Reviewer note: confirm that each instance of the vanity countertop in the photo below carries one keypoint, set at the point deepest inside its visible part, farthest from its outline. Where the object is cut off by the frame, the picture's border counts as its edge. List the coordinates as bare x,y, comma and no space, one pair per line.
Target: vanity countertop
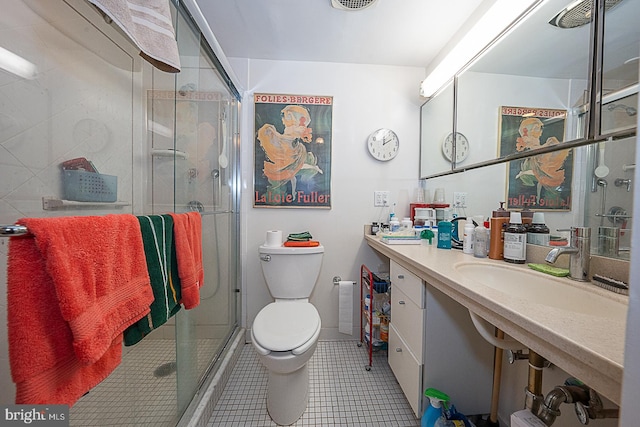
591,348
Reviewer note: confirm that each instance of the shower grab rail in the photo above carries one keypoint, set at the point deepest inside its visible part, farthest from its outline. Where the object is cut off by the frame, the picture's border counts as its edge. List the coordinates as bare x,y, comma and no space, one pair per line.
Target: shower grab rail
13,230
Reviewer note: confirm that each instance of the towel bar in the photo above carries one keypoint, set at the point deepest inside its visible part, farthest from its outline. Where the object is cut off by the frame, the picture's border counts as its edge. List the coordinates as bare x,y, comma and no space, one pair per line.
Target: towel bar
13,230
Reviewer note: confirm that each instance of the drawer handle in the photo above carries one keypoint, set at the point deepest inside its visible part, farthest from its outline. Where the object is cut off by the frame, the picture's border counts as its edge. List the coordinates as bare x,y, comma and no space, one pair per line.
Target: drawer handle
398,349
401,302
400,276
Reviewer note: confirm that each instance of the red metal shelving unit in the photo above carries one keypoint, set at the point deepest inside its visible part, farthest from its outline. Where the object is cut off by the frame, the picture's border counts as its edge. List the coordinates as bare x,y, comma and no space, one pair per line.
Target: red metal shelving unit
368,315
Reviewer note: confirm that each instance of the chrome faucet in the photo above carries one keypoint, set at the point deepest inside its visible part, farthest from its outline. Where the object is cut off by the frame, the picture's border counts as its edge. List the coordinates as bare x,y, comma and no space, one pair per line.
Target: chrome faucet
619,182
579,251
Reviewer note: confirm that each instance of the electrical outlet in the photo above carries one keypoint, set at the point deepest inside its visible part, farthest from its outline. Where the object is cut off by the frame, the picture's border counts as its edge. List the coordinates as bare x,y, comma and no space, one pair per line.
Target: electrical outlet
459,199
380,198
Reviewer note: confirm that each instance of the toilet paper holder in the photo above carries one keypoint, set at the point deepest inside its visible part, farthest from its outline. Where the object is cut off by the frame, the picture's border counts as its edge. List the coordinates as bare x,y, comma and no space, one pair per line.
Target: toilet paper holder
338,279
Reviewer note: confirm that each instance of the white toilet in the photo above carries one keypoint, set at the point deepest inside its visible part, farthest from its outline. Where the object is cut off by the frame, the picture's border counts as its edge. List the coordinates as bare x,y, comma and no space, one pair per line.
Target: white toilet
285,332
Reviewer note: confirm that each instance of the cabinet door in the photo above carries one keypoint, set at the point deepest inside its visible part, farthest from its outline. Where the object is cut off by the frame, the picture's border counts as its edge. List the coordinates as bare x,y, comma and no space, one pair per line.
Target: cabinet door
407,282
408,319
407,369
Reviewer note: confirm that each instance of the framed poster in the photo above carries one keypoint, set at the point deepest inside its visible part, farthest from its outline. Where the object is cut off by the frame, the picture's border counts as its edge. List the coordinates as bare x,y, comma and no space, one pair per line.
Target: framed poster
541,182
292,151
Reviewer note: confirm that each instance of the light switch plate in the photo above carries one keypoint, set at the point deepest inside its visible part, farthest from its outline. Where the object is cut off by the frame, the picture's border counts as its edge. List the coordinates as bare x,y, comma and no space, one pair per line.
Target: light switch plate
459,199
381,198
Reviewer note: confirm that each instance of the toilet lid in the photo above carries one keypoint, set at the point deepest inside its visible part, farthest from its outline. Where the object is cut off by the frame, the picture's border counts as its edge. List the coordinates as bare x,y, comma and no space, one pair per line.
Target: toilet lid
285,325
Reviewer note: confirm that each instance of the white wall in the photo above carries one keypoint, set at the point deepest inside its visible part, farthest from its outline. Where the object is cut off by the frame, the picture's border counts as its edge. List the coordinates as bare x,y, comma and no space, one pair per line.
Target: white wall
365,98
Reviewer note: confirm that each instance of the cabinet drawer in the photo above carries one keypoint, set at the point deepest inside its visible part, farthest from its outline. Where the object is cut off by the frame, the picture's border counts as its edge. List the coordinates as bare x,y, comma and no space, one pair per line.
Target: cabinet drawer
409,283
407,318
407,370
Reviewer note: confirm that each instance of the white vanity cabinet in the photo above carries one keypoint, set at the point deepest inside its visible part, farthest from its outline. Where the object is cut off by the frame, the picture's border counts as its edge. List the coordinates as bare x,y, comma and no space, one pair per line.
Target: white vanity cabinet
406,333
432,343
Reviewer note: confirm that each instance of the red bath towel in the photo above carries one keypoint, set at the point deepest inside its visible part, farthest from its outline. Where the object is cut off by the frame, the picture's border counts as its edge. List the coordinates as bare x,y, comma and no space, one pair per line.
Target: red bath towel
187,234
74,285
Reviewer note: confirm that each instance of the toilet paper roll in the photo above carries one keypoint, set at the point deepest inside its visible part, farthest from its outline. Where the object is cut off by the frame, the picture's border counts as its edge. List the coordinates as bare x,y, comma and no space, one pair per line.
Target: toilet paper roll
345,307
274,238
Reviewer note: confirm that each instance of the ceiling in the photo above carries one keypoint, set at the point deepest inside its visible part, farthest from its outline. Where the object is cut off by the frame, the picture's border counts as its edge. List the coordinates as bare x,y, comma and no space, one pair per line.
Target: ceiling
389,32
414,32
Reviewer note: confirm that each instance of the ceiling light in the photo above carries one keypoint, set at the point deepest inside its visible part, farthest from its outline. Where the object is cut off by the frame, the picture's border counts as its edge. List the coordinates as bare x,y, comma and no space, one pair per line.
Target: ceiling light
17,65
159,129
492,23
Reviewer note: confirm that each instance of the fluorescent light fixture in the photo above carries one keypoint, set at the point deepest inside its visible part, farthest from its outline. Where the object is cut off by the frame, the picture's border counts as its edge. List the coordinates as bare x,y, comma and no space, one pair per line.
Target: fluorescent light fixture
492,23
17,65
159,129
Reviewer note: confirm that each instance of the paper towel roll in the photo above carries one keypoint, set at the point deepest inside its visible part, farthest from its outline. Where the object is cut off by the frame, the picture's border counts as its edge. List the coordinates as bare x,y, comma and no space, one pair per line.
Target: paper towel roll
274,238
345,307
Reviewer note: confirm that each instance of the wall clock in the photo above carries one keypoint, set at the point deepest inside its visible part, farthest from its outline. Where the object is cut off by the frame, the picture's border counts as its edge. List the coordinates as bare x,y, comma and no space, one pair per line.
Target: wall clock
462,147
383,144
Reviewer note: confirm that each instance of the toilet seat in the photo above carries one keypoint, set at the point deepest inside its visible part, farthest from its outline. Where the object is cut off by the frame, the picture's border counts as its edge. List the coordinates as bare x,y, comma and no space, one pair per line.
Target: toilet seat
286,326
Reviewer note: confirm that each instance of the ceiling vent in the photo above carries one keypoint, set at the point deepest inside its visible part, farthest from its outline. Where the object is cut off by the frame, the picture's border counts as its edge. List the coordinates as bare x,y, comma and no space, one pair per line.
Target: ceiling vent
352,4
578,14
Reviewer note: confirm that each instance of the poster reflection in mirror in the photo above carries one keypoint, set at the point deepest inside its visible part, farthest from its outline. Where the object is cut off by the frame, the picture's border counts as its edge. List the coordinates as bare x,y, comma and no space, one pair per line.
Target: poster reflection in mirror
542,182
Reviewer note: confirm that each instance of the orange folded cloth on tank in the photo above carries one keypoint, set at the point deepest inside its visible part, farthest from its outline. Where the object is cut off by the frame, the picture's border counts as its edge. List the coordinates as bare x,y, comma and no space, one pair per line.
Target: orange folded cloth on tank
307,244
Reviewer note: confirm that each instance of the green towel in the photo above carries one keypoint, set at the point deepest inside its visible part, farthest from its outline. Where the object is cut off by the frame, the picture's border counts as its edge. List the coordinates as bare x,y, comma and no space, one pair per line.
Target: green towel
162,265
300,237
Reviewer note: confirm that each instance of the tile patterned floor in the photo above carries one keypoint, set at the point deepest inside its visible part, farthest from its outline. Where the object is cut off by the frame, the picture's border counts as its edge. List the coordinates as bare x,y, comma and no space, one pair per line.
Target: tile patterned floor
135,394
341,391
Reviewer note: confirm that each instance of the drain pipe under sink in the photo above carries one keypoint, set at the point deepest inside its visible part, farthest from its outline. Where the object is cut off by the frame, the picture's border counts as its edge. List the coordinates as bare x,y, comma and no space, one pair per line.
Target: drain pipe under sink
533,390
486,331
497,376
499,342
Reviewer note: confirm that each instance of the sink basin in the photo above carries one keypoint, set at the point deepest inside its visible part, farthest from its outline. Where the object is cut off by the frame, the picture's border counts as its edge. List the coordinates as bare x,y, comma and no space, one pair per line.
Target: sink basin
542,289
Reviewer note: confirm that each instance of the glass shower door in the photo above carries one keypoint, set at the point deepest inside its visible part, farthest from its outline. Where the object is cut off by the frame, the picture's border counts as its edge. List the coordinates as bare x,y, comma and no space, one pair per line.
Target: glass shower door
205,123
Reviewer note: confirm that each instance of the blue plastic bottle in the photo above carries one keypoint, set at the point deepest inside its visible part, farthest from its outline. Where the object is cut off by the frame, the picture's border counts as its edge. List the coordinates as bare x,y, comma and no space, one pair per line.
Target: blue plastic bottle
435,410
444,234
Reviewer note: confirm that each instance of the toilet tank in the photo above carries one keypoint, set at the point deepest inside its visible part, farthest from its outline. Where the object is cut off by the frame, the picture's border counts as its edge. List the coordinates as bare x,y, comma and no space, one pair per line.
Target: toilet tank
291,272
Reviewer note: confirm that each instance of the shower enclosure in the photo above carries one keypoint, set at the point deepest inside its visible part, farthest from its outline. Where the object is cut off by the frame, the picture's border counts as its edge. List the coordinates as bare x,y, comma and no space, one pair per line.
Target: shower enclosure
170,142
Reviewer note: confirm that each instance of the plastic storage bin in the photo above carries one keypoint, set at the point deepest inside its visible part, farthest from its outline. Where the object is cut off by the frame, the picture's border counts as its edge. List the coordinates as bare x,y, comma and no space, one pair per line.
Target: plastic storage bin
84,186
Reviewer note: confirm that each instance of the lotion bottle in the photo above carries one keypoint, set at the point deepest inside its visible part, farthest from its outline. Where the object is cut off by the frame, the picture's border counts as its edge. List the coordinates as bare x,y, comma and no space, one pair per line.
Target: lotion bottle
467,239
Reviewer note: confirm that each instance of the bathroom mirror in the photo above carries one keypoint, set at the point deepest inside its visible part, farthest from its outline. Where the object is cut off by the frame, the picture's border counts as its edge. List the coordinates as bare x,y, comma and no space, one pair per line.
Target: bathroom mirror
536,75
436,124
608,207
543,67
